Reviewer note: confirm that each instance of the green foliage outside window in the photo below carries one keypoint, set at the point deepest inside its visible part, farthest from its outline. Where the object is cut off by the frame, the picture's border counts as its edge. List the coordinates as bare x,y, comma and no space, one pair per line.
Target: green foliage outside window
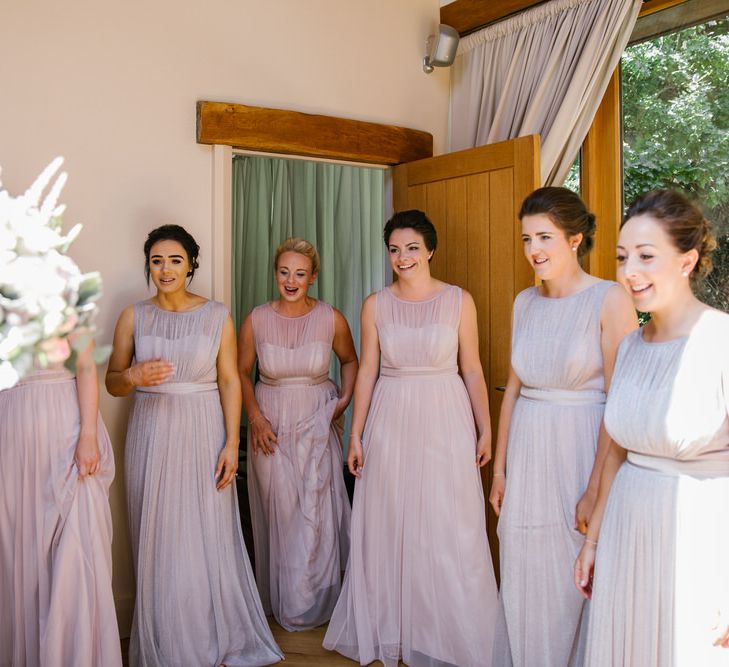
676,129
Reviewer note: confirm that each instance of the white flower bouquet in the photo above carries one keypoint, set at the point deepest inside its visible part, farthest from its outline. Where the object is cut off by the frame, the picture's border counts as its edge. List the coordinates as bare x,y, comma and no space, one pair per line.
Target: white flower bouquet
47,306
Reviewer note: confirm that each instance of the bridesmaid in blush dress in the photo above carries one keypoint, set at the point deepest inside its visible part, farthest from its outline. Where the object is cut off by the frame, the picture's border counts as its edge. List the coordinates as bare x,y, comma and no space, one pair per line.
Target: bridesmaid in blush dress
56,466
197,603
551,444
660,596
420,585
299,503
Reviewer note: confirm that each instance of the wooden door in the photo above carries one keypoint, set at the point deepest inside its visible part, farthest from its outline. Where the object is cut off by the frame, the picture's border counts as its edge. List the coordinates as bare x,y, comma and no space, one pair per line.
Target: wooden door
473,198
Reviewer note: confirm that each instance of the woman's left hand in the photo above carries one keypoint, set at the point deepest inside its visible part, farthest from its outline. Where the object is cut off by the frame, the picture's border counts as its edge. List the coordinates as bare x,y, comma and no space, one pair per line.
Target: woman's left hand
87,456
483,451
227,466
339,409
584,568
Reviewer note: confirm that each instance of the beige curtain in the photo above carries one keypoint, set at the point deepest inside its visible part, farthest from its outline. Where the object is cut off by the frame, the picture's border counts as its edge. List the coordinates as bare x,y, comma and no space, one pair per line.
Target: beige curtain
542,72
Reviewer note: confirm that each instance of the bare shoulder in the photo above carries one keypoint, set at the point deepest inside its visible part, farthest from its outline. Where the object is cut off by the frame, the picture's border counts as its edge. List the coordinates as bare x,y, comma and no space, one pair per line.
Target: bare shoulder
616,299
126,319
467,298
369,302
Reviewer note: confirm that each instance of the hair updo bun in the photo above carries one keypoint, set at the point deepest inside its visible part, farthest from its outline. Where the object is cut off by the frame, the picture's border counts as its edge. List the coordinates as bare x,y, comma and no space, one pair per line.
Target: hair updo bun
566,210
684,222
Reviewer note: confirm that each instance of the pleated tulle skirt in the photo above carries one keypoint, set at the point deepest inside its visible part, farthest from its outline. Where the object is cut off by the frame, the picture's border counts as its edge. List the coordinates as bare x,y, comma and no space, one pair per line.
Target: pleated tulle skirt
55,532
299,506
661,583
549,460
419,584
197,603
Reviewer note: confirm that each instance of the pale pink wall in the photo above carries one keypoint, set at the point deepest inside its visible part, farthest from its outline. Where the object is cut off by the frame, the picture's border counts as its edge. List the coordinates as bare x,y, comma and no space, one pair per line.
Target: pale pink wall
113,86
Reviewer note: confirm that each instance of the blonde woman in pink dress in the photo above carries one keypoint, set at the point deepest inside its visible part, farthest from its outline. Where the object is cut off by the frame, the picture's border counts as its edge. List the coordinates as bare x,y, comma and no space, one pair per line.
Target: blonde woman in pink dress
299,503
420,584
56,466
197,604
658,540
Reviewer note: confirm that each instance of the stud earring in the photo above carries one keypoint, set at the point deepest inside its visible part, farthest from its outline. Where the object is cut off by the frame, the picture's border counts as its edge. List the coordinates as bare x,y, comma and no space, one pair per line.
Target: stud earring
685,274
574,248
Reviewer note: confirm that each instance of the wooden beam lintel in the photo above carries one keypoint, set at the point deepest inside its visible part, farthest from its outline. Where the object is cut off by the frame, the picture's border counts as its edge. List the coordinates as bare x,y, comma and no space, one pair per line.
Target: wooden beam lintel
295,133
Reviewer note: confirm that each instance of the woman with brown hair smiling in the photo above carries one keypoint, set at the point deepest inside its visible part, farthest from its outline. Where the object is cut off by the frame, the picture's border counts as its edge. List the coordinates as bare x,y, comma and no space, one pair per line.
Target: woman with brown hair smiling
658,539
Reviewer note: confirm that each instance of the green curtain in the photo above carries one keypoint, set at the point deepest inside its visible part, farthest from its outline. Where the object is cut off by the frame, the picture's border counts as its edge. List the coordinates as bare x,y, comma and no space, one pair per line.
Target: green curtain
339,209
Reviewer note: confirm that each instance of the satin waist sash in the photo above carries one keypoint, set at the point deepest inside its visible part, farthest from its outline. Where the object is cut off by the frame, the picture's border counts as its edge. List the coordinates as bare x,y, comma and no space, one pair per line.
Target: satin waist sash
696,468
302,381
417,371
179,388
48,376
564,396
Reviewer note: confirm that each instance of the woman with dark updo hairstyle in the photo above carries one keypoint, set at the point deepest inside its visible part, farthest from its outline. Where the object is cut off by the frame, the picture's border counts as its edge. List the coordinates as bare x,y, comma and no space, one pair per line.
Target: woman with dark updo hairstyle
420,586
661,581
551,445
197,602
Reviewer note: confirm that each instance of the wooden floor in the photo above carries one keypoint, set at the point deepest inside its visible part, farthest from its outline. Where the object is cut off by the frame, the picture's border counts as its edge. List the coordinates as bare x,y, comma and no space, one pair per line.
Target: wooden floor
302,649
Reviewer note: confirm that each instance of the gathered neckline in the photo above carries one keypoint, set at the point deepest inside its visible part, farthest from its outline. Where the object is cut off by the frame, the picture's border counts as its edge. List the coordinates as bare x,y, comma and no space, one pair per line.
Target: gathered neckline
296,317
180,312
568,296
432,298
660,342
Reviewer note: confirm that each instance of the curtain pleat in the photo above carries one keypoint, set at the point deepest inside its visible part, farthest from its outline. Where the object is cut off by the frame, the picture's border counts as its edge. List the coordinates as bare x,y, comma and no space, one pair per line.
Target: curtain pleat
337,208
542,72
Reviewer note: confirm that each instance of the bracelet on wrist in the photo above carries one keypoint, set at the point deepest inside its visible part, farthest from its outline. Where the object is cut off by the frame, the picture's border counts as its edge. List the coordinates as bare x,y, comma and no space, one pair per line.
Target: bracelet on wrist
589,541
499,474
257,418
128,373
354,436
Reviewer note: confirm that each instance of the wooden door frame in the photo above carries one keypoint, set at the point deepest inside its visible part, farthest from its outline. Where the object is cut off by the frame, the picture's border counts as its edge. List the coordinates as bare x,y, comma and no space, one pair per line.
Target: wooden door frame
226,126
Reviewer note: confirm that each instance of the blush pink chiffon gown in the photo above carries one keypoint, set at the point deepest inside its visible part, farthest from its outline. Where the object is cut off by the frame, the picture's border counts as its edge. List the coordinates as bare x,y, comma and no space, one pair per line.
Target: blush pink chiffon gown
197,604
420,584
299,504
56,602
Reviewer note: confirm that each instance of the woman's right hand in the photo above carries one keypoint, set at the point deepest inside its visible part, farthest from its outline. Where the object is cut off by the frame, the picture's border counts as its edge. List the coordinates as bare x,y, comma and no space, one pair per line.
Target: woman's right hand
496,497
355,458
150,373
262,435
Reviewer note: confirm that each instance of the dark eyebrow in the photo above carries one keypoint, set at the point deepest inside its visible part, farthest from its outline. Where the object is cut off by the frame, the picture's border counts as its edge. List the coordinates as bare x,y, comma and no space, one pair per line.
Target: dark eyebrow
171,256
644,245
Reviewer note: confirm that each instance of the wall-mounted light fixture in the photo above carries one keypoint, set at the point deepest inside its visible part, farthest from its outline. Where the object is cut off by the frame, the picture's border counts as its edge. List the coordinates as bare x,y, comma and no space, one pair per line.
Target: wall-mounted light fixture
440,49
